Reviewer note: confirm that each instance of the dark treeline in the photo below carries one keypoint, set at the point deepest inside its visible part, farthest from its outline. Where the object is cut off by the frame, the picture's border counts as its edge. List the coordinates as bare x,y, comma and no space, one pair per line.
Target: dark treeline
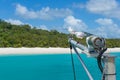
25,36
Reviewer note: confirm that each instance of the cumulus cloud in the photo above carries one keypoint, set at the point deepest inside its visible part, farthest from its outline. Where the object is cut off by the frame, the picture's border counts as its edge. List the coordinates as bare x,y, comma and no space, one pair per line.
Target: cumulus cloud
104,21
43,27
17,22
108,8
45,13
74,23
14,21
100,6
108,28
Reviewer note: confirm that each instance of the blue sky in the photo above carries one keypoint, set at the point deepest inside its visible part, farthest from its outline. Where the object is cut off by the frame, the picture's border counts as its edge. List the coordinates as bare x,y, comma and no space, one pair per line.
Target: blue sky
101,17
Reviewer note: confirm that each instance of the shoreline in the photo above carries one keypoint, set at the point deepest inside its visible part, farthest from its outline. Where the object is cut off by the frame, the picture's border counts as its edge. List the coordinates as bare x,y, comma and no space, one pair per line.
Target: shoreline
36,50
22,51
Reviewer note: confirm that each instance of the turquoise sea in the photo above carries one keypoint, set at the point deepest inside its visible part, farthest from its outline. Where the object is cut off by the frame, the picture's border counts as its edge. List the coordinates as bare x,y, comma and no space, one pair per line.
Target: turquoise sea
48,67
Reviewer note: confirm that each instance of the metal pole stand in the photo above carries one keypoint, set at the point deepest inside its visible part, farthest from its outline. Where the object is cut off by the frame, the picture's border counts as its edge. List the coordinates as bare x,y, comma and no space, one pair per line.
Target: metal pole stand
109,68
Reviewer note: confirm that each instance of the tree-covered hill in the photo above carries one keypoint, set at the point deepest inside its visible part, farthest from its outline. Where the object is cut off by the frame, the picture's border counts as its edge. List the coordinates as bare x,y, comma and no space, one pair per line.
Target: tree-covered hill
25,36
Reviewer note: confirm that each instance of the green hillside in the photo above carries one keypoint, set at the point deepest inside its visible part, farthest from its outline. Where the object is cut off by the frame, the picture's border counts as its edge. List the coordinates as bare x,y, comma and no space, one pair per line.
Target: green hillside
25,36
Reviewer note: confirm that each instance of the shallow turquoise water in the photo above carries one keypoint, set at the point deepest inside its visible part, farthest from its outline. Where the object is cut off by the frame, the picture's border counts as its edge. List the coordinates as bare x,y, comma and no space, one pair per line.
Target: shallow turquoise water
47,67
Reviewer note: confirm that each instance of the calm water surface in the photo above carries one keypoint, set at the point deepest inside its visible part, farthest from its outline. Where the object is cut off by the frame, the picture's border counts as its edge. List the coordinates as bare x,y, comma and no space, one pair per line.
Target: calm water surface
47,67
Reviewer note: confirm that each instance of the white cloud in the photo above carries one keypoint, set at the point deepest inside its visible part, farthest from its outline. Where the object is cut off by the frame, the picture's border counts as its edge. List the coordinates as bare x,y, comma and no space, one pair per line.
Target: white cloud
43,27
21,9
14,21
17,22
109,8
75,24
105,21
45,13
108,28
100,6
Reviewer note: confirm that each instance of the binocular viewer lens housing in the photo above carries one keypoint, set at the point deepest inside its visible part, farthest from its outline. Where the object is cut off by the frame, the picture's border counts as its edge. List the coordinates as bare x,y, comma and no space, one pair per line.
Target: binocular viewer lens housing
95,43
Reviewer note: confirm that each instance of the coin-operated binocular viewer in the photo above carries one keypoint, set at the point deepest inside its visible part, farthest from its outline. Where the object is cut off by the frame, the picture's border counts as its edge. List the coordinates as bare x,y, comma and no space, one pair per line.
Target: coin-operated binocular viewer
96,47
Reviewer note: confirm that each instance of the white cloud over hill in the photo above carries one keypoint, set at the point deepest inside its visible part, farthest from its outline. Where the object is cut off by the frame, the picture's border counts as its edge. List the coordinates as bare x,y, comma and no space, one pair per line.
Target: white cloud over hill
46,13
107,27
74,23
14,21
43,27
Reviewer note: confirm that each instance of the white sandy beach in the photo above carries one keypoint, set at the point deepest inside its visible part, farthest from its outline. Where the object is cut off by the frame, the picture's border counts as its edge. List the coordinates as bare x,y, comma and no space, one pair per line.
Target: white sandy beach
33,50
7,51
